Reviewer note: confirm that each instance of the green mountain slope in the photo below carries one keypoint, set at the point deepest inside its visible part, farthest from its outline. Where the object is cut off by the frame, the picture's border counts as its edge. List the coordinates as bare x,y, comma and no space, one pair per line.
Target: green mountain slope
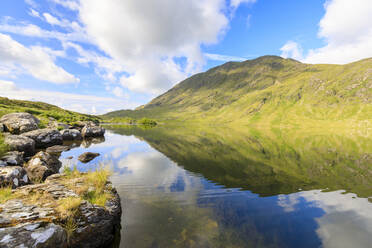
268,90
42,111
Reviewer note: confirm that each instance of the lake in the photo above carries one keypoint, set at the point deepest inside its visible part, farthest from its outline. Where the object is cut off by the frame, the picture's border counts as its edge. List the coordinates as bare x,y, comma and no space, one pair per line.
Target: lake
221,187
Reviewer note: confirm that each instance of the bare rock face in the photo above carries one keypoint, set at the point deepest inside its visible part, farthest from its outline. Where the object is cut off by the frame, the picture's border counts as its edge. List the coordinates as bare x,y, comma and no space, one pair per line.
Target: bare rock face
17,123
92,131
20,143
45,137
71,134
25,223
13,176
41,166
87,157
13,158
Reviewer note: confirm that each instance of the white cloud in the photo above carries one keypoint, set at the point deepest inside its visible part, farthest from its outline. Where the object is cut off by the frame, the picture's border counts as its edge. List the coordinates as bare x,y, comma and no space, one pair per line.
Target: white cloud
220,57
77,102
117,91
34,13
72,5
346,28
145,36
236,3
35,61
291,50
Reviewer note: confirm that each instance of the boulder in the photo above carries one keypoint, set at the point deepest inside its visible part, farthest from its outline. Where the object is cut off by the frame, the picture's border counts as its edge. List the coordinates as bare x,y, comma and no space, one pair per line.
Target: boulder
2,129
87,157
38,235
45,137
71,134
92,131
41,166
57,150
17,123
13,158
20,143
13,176
30,223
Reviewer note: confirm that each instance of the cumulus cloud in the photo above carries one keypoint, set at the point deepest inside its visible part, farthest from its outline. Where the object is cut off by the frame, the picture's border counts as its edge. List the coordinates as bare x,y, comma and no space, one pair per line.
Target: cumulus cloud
35,60
346,28
291,50
77,102
146,36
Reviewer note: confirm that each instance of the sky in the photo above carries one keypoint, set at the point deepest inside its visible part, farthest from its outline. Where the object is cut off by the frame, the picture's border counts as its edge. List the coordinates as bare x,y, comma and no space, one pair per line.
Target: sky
95,56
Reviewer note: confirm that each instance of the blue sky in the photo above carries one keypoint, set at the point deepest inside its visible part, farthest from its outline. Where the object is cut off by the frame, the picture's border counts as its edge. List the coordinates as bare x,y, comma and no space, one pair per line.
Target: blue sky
96,56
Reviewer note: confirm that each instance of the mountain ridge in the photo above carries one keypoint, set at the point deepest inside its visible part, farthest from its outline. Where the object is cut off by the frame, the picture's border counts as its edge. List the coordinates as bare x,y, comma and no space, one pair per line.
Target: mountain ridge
270,89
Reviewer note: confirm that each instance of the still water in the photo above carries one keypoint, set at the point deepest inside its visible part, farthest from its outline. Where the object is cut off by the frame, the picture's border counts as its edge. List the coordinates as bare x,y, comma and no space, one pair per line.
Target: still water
226,188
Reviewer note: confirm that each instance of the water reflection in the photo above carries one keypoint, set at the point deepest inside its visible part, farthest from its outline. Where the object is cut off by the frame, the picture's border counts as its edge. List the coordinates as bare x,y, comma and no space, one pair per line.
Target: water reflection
226,189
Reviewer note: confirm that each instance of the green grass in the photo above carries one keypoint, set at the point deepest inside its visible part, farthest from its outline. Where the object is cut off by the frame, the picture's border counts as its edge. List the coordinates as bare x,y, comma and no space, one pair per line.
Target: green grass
5,194
3,147
43,111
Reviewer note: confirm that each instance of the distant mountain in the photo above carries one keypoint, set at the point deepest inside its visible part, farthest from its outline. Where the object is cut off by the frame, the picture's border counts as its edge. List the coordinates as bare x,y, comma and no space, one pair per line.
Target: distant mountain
268,90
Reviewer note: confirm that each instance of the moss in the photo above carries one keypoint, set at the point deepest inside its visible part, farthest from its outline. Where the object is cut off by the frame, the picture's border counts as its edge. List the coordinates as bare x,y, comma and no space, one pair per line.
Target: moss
6,194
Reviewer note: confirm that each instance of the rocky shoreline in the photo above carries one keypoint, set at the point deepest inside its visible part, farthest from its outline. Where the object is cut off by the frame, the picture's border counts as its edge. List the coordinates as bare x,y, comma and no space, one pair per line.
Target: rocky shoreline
39,207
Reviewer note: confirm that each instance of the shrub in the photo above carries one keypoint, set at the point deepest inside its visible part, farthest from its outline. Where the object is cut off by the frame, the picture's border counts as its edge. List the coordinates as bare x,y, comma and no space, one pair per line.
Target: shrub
147,122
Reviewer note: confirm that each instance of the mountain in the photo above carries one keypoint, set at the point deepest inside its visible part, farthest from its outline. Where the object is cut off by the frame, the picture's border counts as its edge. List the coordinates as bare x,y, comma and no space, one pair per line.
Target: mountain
268,90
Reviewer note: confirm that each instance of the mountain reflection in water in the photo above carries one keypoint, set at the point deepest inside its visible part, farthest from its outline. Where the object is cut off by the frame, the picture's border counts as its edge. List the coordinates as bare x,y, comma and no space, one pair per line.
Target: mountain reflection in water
190,187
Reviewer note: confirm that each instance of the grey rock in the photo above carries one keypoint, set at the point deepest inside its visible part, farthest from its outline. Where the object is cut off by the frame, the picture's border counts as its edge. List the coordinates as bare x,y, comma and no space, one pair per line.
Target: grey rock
25,224
45,137
38,235
57,150
17,123
41,166
87,157
13,158
13,176
71,134
2,129
20,143
92,131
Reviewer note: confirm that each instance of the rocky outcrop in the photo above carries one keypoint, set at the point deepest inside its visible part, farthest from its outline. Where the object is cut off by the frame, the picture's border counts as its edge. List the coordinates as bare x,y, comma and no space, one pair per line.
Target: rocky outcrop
92,131
17,123
25,222
87,157
20,143
13,176
45,137
41,166
13,158
71,134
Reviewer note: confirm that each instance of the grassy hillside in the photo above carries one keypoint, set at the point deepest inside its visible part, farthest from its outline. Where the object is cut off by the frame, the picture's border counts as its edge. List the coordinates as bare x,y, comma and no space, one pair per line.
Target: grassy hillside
269,90
42,111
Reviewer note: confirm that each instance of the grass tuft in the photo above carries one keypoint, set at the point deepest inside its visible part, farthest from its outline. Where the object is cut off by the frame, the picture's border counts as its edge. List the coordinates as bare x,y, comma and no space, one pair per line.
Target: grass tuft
5,194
